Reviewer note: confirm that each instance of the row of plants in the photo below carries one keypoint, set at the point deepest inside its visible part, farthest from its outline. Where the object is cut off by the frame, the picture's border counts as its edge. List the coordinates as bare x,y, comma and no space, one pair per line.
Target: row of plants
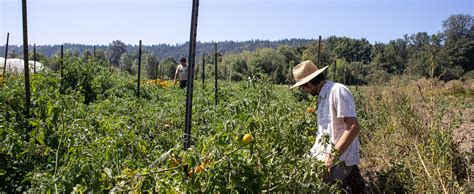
88,132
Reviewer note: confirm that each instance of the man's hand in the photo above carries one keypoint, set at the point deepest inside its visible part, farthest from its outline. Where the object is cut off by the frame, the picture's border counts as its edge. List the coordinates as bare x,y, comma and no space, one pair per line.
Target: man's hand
329,162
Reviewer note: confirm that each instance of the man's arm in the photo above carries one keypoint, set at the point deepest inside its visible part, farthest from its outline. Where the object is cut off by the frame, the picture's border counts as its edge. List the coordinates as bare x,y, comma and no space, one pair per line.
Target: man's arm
349,134
345,141
345,108
176,74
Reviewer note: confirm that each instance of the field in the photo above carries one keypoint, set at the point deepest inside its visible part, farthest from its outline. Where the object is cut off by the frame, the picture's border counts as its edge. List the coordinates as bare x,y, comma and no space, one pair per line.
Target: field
89,132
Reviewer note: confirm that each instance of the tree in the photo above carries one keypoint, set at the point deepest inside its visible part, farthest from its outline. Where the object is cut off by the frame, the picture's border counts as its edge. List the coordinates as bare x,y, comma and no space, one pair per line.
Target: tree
169,67
395,55
362,50
289,53
342,47
311,53
151,63
291,56
128,62
87,54
418,49
459,38
237,66
458,27
352,50
116,49
265,61
39,57
419,40
13,54
100,55
437,58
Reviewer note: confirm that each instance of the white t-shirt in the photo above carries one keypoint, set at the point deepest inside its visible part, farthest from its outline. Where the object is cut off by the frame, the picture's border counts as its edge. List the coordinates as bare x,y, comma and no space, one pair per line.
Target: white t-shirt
335,103
183,72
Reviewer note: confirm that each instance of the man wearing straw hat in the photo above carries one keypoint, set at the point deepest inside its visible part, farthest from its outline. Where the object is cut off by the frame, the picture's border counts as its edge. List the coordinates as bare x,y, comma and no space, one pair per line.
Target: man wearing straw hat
336,120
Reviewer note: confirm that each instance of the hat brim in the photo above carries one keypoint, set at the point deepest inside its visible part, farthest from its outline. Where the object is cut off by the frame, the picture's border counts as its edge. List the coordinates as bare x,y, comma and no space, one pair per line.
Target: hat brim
308,78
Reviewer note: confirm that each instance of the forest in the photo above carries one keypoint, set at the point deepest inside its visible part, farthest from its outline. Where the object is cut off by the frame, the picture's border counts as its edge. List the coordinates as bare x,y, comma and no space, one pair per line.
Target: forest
446,55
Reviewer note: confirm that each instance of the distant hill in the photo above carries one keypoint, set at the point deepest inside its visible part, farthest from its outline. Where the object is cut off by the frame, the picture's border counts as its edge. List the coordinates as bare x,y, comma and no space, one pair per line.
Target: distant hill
164,50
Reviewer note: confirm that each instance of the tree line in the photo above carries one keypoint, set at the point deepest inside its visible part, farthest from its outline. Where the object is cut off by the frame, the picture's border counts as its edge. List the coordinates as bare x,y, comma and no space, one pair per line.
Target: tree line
447,55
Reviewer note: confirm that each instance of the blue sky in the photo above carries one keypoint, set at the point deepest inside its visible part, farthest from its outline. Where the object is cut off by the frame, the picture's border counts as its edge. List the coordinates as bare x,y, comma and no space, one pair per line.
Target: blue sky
168,21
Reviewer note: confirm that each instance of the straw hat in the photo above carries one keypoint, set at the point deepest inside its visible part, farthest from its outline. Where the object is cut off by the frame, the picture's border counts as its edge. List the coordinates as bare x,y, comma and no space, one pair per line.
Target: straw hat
304,72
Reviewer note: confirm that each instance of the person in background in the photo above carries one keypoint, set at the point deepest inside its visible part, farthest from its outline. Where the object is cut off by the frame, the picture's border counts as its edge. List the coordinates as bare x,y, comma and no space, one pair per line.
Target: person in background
338,127
181,73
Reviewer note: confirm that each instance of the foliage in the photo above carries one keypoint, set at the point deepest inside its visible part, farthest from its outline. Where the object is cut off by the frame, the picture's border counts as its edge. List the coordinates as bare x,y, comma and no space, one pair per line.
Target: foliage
408,136
88,132
446,55
116,49
119,143
151,65
116,142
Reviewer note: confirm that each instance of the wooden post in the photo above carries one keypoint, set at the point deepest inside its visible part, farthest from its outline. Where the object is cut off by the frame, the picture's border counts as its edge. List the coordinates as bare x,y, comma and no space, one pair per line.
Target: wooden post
25,59
349,81
61,65
344,75
94,52
357,78
34,58
319,52
189,88
215,73
162,73
6,55
203,75
139,66
156,69
196,68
